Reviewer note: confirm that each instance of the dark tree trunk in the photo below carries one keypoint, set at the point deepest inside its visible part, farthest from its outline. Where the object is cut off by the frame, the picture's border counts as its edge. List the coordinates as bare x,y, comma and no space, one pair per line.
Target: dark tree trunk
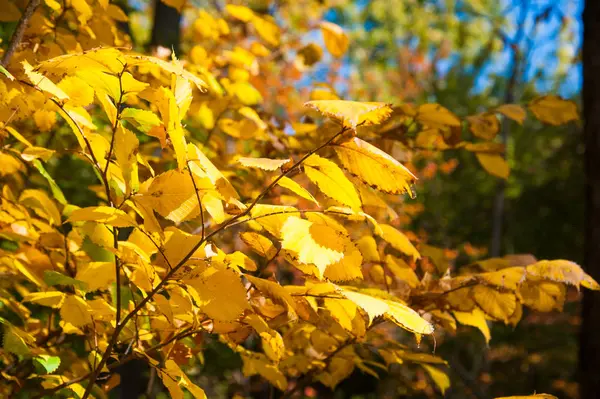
166,31
589,356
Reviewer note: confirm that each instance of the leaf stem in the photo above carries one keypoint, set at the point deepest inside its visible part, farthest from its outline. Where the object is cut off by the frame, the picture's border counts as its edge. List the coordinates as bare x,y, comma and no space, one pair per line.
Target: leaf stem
17,36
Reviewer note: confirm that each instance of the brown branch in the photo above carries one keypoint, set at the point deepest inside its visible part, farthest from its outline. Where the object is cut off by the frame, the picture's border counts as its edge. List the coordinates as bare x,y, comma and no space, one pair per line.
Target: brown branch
17,36
199,200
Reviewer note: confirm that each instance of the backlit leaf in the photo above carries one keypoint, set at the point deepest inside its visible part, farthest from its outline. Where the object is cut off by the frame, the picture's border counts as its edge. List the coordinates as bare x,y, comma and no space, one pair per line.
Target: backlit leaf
475,319
374,167
335,38
102,214
263,163
399,241
331,181
352,113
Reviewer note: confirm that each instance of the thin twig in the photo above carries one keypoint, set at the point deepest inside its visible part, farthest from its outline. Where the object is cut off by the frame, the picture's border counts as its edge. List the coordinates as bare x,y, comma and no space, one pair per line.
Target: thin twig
198,197
17,36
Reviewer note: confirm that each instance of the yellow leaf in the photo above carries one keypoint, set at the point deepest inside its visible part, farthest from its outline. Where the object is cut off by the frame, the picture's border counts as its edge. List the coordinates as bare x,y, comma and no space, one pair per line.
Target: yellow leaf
41,202
554,110
174,67
272,343
242,13
475,318
399,241
407,318
97,275
53,299
257,363
348,268
76,311
267,29
44,119
514,112
272,217
202,166
485,126
372,306
434,115
440,378
509,278
43,83
102,214
562,271
343,311
374,167
401,270
220,294
314,243
263,163
331,181
259,244
291,185
31,153
352,113
170,113
126,149
173,196
494,164
142,119
335,38
116,13
79,92
276,292
544,296
174,379
498,305
368,249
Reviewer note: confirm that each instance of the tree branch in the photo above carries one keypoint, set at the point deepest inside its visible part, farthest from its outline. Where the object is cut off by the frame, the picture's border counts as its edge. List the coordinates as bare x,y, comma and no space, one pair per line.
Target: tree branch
17,36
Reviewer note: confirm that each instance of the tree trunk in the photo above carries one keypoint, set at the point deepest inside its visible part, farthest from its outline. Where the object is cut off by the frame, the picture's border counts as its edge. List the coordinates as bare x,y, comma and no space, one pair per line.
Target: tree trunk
589,350
166,31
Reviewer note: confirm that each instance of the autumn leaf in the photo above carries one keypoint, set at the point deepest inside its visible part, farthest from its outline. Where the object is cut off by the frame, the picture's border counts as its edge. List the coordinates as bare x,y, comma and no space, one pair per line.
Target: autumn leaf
352,114
554,110
335,38
331,181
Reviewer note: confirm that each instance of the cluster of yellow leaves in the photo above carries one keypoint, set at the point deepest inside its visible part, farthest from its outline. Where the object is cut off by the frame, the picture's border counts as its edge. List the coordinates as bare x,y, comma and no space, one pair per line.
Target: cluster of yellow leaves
184,159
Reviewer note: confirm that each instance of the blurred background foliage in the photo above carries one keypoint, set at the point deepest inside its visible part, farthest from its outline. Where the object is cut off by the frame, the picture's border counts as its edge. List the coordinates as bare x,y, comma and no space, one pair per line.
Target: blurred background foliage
468,56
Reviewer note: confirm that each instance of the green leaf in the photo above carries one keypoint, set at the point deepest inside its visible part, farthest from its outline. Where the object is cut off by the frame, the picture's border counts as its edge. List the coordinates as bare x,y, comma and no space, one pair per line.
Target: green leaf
54,278
142,119
47,362
4,72
56,191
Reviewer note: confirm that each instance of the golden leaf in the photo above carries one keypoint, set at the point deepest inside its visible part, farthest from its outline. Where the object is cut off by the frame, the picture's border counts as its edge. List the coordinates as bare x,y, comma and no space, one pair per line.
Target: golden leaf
399,241
494,164
331,181
554,110
335,38
242,13
475,318
291,185
97,275
407,318
513,111
259,244
434,115
263,163
76,311
316,244
374,167
544,296
440,378
485,126
43,83
126,149
53,299
562,271
220,294
102,214
352,113
498,305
